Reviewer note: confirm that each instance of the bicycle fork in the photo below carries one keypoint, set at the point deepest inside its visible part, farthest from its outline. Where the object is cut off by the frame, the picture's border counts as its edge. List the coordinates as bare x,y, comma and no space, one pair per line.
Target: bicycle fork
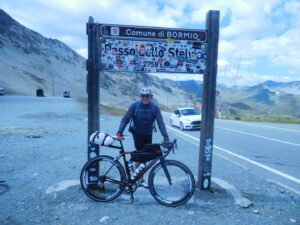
163,164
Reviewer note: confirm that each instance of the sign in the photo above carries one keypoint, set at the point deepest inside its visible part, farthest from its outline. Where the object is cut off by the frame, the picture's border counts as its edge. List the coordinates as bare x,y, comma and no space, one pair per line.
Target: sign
128,55
149,49
137,32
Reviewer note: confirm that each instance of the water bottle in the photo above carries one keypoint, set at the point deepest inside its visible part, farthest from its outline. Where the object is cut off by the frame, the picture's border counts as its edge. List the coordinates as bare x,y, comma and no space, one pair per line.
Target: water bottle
139,169
131,166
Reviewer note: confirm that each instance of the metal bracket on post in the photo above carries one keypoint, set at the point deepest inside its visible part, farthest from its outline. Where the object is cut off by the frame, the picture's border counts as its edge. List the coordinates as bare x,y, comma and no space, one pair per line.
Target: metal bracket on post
208,102
92,66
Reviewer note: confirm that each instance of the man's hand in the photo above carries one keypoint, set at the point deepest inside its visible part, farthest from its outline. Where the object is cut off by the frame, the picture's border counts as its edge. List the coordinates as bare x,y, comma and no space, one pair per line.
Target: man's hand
119,136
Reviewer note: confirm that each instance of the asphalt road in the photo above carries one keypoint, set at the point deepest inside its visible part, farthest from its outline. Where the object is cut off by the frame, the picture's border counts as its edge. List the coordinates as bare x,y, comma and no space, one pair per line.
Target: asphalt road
255,173
270,150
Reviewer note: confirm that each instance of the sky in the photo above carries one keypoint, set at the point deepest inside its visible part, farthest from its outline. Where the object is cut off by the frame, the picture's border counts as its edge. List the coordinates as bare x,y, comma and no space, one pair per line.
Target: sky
259,40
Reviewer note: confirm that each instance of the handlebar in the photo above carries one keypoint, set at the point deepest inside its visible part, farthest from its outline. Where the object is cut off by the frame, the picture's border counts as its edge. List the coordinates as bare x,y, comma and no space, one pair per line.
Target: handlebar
170,146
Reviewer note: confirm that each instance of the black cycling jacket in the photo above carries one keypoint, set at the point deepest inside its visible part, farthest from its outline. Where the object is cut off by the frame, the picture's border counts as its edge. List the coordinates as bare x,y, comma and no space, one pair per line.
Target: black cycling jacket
143,117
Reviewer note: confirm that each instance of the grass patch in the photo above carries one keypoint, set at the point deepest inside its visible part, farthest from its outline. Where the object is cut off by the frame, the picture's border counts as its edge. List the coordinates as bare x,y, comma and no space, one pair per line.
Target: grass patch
112,110
265,118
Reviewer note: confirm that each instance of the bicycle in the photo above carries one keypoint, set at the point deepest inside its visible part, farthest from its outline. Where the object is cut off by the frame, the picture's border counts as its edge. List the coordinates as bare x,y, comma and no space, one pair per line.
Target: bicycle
171,183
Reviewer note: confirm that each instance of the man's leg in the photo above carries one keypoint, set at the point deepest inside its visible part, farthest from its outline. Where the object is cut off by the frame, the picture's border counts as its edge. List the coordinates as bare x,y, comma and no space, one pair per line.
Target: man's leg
147,139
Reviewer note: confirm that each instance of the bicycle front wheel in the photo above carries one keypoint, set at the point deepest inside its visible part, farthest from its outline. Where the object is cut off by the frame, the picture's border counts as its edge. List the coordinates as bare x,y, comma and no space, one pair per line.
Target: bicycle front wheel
174,191
101,179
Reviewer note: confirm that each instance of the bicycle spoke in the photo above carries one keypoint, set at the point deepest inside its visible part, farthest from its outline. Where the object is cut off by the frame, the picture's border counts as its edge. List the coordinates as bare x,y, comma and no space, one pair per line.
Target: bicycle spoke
178,188
176,192
108,184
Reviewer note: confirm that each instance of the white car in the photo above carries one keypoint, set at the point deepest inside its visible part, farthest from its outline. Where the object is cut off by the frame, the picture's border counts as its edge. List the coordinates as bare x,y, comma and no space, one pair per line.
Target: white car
186,118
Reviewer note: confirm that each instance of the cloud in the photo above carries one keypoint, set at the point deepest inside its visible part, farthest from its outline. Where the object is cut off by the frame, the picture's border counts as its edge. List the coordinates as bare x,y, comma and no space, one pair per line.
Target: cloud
281,50
243,78
251,32
82,51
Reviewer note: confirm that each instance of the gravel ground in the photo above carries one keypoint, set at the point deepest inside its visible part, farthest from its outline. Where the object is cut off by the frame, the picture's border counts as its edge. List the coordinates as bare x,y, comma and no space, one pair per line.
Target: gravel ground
43,148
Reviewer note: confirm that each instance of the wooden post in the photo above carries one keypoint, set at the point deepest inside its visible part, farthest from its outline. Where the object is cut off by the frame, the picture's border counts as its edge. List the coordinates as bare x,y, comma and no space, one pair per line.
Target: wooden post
208,102
92,66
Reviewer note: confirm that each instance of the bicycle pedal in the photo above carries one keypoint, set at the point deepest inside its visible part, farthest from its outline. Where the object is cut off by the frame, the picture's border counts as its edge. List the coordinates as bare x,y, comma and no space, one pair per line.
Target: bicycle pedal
131,197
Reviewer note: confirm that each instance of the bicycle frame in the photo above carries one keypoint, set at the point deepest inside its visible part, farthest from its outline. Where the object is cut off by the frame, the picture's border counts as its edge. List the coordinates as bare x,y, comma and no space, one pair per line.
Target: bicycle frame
123,154
113,178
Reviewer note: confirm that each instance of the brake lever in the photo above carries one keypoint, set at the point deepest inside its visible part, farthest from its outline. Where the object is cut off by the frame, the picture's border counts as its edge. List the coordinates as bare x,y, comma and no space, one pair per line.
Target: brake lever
174,145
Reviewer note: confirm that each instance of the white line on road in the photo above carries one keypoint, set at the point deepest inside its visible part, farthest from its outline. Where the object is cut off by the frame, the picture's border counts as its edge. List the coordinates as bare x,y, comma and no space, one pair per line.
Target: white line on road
180,135
283,185
238,164
260,165
278,128
284,175
259,136
271,139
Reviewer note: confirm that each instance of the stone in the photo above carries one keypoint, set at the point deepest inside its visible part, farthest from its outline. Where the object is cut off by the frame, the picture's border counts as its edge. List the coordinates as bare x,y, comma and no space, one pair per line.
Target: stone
191,212
104,219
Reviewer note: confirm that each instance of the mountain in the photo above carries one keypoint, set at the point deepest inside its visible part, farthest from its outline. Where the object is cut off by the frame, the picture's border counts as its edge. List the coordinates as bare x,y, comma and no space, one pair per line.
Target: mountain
120,90
190,86
270,97
29,61
281,87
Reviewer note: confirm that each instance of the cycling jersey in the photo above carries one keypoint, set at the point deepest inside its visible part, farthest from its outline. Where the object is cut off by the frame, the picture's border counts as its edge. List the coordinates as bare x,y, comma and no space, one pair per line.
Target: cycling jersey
143,117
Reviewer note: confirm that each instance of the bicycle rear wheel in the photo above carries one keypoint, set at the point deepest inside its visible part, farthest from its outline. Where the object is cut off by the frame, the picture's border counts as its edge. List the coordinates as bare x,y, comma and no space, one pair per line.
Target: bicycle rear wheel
176,192
106,185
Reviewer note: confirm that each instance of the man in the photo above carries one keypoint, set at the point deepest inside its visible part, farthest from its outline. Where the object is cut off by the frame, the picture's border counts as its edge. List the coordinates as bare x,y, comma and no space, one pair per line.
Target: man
143,114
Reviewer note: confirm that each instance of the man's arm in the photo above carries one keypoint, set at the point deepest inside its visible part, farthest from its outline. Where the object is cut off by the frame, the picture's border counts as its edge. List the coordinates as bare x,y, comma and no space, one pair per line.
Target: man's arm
126,118
161,124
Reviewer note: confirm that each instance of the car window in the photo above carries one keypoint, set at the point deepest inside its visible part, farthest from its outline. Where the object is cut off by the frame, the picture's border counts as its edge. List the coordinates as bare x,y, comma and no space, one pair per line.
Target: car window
189,112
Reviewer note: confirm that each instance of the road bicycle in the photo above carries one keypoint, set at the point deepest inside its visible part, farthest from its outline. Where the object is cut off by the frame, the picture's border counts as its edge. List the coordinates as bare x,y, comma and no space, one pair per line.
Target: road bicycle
171,183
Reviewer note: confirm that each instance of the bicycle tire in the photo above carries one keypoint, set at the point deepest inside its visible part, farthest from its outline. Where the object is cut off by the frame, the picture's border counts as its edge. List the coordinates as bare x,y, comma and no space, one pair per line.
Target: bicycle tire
163,192
103,191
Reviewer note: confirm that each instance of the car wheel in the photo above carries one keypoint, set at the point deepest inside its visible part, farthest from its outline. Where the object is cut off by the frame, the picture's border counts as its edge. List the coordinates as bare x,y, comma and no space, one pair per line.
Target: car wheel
181,126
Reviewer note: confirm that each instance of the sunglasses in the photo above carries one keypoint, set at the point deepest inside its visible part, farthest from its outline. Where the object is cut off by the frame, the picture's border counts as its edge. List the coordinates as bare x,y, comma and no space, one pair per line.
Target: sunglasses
145,96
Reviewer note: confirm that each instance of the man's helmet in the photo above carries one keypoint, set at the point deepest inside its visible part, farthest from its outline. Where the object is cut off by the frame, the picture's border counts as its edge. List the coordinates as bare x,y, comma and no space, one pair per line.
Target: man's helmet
101,138
146,91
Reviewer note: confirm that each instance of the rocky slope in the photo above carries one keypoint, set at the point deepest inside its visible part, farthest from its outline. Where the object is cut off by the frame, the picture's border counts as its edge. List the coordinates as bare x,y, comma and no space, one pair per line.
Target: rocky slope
29,61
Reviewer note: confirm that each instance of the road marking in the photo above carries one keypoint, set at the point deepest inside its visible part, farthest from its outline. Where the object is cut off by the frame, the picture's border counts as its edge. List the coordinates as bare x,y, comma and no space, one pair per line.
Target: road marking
284,175
272,139
260,165
259,136
283,185
184,134
259,125
238,164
